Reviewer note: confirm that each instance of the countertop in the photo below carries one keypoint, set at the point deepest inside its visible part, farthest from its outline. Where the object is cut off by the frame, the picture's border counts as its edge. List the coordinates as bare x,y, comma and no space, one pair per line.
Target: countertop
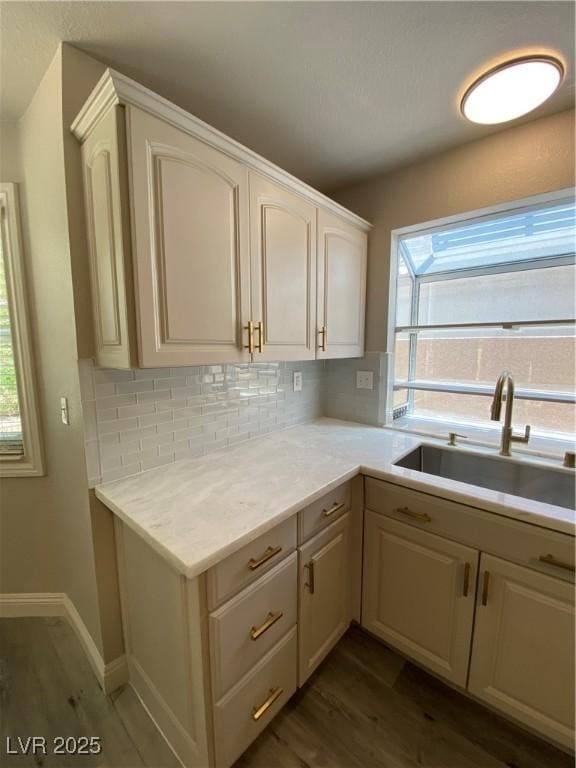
196,512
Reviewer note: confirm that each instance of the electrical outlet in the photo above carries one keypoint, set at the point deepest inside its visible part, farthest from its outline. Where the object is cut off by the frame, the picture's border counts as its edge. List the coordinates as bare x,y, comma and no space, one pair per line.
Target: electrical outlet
297,378
364,380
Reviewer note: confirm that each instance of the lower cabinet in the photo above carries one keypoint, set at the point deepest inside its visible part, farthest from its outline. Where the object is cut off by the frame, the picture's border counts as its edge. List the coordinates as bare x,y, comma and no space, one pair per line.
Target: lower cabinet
523,652
418,594
325,594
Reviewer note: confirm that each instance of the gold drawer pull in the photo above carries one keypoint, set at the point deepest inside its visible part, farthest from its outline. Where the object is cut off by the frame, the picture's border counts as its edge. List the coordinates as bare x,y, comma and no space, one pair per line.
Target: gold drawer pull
310,583
551,560
466,580
257,712
485,587
260,345
271,619
422,516
250,329
333,509
270,552
324,333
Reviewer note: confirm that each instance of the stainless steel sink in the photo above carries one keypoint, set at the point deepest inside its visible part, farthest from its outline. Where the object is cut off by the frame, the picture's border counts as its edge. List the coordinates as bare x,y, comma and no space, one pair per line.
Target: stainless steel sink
530,481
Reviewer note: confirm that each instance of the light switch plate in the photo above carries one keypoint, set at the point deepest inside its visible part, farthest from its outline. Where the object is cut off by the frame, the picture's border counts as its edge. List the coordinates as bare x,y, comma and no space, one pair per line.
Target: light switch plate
64,413
297,378
364,380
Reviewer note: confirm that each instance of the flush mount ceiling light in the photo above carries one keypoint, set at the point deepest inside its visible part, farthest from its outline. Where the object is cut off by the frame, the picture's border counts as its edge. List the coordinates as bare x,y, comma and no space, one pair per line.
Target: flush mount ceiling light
512,89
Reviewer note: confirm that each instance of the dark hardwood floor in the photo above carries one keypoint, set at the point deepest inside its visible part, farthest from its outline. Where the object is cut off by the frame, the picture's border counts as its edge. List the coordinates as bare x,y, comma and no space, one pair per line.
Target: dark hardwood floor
365,707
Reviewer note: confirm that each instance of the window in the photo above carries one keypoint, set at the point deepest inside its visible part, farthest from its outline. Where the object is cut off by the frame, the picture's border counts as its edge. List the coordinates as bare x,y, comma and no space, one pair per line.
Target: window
20,447
491,291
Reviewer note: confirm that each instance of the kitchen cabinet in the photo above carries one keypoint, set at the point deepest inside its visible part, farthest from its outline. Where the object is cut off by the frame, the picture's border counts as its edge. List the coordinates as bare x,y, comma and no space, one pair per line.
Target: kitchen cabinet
418,594
325,597
523,651
202,252
341,287
283,248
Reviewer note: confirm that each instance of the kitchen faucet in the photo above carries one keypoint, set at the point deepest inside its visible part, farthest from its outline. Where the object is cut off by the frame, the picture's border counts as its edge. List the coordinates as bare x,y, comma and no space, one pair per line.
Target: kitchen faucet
508,436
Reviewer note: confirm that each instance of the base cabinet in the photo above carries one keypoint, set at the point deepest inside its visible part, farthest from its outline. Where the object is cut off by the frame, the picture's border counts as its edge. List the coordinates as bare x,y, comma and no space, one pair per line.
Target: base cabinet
325,597
419,594
523,652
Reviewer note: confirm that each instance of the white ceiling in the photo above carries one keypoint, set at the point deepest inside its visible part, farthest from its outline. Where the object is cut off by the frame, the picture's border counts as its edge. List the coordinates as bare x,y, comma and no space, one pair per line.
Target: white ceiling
330,91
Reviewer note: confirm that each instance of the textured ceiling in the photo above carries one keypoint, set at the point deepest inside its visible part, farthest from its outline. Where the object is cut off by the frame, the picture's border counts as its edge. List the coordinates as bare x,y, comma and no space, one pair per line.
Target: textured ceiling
330,91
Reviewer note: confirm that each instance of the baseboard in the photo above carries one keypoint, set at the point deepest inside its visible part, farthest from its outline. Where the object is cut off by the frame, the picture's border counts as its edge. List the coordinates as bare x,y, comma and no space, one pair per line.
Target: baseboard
17,605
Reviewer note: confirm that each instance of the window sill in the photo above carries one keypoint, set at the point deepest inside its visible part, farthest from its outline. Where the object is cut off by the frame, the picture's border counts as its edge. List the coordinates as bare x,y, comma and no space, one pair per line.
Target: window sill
489,436
20,466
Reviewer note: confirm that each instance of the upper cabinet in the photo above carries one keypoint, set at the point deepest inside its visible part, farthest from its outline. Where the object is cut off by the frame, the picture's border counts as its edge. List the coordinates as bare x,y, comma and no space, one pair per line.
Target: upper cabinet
342,256
200,251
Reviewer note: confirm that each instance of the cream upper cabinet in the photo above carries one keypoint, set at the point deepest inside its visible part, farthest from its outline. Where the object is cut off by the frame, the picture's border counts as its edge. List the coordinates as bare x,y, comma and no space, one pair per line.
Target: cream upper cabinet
325,594
418,594
191,250
342,259
283,249
108,243
202,252
523,652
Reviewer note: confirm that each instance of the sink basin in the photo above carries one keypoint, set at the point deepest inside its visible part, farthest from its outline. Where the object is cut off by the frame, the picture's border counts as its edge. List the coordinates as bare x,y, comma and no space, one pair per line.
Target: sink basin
530,481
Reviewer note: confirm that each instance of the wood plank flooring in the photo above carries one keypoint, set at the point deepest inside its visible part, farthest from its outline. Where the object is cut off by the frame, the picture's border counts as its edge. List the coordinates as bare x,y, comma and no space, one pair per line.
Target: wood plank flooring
364,708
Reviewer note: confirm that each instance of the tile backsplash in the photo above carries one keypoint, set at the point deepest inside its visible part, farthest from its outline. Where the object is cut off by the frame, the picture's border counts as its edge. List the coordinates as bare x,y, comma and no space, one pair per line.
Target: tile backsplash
343,400
140,419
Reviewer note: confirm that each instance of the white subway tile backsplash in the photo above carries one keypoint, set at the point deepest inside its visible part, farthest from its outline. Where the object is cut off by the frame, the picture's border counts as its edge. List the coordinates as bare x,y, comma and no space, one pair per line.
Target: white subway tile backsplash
139,419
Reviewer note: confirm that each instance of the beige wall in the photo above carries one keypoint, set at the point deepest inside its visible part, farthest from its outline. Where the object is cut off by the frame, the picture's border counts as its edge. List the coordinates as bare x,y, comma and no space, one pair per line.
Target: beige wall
526,160
46,529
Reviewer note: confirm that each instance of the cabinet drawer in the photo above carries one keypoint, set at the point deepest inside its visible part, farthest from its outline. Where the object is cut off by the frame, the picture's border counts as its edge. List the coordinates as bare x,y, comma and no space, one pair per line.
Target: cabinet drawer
323,512
250,562
250,706
512,539
244,629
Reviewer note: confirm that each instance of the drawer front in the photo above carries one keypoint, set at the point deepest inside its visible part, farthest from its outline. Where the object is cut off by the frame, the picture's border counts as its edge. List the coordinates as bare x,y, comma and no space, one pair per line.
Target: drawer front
250,562
250,706
245,628
322,512
547,551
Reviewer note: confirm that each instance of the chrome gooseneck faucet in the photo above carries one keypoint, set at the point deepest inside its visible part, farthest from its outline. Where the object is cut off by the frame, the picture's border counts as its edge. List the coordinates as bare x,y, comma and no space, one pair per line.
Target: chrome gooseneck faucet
508,436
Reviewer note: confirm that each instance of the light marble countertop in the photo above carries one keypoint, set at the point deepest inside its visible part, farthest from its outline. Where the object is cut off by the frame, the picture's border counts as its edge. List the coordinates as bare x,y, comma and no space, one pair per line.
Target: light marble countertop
196,512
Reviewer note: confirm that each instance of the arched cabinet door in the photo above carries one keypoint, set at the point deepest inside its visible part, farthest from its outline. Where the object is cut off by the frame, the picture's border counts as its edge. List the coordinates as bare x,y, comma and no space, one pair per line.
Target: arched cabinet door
341,287
191,249
283,240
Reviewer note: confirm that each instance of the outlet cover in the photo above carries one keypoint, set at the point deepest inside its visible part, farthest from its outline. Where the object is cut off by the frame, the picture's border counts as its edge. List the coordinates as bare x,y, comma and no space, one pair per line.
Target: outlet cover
364,380
297,378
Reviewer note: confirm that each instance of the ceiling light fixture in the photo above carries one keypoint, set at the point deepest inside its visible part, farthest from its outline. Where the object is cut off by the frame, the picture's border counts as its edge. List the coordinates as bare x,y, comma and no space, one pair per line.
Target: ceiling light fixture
512,89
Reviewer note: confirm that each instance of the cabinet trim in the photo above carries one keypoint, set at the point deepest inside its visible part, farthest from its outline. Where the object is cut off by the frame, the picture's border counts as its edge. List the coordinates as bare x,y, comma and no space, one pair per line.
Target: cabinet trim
114,88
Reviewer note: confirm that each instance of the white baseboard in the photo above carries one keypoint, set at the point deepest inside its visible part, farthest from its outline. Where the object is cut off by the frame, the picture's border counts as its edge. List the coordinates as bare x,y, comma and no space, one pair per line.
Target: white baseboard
111,675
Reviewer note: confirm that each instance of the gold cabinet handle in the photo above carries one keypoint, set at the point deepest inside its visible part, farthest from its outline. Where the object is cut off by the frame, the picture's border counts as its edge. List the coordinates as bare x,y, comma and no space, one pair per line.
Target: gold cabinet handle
333,509
250,329
422,516
485,587
274,694
270,552
310,583
551,560
271,619
323,332
260,345
466,586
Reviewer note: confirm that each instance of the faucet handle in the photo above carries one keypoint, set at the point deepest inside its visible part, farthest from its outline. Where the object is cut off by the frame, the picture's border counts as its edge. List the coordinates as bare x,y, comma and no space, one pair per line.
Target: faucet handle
452,437
519,438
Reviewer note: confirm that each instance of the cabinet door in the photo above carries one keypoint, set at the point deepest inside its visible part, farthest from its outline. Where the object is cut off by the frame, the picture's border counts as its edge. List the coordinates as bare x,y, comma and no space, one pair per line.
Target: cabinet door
108,243
418,594
325,595
523,651
341,287
191,248
283,253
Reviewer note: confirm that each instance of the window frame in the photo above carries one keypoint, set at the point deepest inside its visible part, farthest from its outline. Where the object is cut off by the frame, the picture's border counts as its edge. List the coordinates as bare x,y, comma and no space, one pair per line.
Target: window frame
31,462
486,213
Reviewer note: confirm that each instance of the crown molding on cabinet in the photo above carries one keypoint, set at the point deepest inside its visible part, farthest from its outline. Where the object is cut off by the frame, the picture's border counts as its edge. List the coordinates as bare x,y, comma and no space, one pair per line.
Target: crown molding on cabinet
114,88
